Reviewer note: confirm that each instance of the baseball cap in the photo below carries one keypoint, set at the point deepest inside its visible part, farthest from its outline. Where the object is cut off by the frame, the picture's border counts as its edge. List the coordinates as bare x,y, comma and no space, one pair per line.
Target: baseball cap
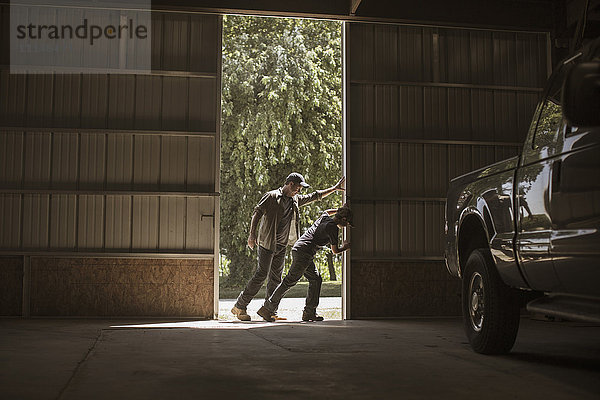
297,179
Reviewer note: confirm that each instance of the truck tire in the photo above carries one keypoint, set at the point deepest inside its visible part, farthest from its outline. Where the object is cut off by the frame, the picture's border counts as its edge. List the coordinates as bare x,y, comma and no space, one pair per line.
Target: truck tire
490,308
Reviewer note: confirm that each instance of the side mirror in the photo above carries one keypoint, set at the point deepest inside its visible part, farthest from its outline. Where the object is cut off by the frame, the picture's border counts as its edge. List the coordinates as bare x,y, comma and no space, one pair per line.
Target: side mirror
581,95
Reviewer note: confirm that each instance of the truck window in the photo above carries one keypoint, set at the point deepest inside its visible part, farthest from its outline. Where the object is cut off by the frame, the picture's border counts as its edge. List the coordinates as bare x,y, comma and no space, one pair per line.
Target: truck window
550,121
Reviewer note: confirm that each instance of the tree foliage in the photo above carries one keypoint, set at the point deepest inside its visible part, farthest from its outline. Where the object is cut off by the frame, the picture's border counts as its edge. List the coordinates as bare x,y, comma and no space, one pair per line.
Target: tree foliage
281,112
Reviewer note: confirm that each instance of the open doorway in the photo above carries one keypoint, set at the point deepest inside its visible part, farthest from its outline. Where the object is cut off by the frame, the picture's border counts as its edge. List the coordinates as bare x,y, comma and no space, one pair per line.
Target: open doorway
281,112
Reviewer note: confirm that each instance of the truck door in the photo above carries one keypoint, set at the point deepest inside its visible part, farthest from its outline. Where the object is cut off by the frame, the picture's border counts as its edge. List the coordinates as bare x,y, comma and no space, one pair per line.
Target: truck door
575,211
534,224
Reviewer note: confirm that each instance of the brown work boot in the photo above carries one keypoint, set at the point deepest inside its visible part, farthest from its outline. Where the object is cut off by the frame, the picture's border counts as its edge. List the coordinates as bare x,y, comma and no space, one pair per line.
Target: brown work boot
242,315
266,314
311,316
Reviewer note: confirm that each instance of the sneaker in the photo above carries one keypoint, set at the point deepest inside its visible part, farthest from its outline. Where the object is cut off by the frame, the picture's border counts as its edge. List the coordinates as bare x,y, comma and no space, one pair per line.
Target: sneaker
266,314
311,316
242,315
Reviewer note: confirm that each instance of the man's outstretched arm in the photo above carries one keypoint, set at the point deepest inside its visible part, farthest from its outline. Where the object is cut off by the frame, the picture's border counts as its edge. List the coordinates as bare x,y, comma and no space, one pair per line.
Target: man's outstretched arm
320,194
338,186
336,250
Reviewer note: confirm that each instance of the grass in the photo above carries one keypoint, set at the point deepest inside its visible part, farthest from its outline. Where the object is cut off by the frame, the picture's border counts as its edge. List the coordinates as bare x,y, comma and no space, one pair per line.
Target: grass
328,289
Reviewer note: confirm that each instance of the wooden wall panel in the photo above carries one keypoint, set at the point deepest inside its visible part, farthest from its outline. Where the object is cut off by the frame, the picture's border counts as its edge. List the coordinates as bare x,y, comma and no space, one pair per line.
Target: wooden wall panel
11,286
121,287
395,289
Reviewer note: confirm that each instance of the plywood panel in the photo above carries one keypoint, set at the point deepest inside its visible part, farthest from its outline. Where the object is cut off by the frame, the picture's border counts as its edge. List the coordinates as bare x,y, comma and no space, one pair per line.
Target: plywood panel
395,289
11,286
121,287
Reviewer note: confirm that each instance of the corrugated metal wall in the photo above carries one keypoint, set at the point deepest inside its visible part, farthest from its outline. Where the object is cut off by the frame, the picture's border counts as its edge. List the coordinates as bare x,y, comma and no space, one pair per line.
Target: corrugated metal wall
424,105
116,165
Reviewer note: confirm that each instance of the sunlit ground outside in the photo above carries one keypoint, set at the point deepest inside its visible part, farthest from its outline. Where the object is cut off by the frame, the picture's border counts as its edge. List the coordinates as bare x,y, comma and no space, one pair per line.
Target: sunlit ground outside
330,308
291,308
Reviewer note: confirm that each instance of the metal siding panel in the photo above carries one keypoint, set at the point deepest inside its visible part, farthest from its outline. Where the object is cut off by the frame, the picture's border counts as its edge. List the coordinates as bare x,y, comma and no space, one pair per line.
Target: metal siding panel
361,116
13,95
119,164
172,223
385,116
148,94
411,112
200,228
386,52
411,167
39,100
505,117
173,163
67,100
363,156
435,113
176,35
94,100
146,166
459,114
37,160
36,216
459,160
201,104
203,43
92,165
457,52
10,221
434,165
201,164
174,103
482,156
63,224
65,148
410,61
157,30
481,58
145,223
433,229
386,236
11,158
118,222
483,114
363,236
91,222
121,111
362,59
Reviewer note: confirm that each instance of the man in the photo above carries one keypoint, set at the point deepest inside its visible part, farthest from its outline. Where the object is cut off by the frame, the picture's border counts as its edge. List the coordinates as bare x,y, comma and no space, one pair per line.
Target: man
324,231
278,211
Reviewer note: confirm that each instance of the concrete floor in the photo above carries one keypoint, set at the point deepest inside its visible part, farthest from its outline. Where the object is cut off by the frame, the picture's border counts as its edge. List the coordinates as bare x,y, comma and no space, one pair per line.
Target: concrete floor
426,358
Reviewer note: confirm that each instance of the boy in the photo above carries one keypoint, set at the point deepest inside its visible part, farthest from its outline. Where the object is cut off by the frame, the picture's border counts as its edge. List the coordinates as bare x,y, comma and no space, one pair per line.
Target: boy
324,231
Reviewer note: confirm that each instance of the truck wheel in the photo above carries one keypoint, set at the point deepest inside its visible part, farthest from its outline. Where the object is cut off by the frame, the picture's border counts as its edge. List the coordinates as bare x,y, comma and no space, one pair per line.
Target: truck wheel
490,308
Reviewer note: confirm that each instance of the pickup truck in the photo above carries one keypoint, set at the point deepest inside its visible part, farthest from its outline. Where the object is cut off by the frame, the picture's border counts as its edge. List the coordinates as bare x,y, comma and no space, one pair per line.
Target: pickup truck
526,231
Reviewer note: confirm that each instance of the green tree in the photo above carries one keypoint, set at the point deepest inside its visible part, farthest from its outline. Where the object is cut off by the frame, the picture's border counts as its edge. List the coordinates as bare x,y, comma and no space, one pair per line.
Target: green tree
281,112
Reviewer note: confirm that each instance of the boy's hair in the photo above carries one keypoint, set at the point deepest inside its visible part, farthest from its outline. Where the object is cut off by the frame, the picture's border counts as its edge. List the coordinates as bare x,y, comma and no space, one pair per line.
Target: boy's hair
345,212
